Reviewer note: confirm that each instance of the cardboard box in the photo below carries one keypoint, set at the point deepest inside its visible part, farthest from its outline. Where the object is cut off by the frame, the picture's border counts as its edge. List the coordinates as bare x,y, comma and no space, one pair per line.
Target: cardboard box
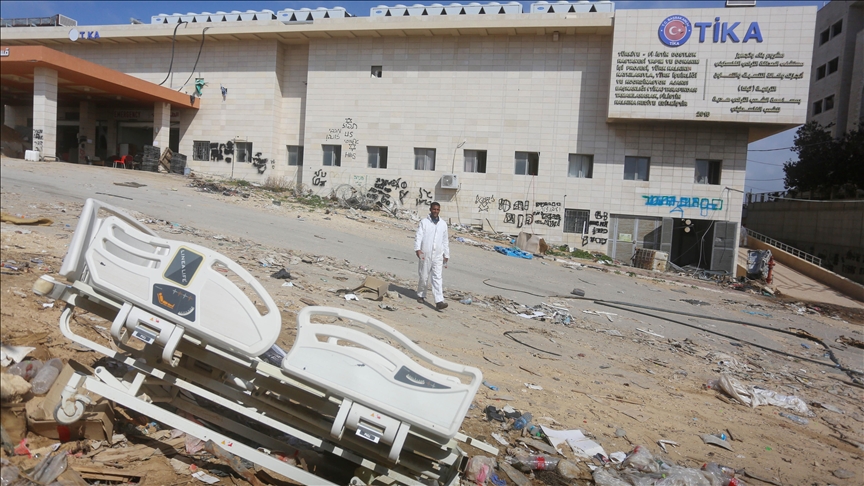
97,423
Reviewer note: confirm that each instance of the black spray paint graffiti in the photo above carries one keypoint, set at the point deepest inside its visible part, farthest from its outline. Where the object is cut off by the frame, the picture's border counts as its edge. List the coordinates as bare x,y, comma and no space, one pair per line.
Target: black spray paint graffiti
545,213
225,151
425,197
259,163
598,226
346,134
319,178
222,151
37,140
385,191
483,203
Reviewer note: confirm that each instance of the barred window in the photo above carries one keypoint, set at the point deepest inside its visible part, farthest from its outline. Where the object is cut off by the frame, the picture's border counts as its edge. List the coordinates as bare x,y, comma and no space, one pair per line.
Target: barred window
576,221
201,150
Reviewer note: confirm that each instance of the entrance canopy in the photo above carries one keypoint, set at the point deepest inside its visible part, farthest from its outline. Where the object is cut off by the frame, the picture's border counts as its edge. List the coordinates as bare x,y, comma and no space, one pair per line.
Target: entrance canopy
78,80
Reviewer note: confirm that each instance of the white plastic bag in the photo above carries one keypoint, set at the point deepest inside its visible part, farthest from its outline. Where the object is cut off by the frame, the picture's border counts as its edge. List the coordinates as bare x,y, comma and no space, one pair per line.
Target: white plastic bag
754,396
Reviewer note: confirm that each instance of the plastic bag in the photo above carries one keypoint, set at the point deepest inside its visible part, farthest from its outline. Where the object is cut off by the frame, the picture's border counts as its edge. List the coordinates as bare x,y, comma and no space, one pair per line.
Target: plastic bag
603,477
683,476
641,459
480,469
754,396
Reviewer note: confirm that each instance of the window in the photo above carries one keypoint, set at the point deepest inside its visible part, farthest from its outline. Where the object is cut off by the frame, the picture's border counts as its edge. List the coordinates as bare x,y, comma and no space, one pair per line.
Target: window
295,155
824,36
576,221
832,65
244,151
376,71
820,72
377,157
829,102
836,29
708,171
817,107
636,168
581,166
527,163
475,161
200,150
332,155
424,159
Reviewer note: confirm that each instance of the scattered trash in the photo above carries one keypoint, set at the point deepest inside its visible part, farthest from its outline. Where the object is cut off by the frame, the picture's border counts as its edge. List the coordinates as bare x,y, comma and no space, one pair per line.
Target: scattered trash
533,386
514,252
387,307
13,354
650,332
490,386
664,443
466,301
501,440
281,274
578,292
754,396
351,297
205,478
522,421
794,418
713,440
694,302
827,406
753,313
288,284
581,445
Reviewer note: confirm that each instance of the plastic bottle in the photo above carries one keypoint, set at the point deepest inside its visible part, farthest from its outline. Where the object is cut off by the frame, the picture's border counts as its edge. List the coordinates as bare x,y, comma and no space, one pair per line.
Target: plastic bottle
522,421
8,475
723,475
535,431
46,376
795,418
26,369
537,462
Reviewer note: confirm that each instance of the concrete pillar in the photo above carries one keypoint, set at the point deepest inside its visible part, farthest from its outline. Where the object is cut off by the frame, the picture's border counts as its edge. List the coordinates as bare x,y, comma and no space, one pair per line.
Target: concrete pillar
111,133
161,125
86,128
45,111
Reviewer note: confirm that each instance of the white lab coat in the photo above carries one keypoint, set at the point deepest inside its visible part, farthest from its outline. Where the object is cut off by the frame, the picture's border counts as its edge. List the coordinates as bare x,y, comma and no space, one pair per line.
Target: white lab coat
433,241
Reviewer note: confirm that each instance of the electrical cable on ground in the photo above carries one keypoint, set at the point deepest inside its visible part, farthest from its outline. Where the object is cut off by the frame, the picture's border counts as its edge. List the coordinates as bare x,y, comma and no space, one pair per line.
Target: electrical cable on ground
508,334
838,366
512,290
616,305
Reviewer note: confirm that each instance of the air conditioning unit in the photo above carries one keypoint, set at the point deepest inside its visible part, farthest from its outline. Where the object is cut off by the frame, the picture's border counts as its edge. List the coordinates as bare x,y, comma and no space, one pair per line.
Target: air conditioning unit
448,181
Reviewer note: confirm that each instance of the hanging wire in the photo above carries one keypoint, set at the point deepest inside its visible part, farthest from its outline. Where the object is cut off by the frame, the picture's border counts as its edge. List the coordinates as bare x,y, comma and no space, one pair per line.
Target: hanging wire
200,48
173,42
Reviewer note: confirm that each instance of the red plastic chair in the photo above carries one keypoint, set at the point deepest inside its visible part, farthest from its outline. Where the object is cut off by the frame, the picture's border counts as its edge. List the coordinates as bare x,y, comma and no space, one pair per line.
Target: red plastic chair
122,161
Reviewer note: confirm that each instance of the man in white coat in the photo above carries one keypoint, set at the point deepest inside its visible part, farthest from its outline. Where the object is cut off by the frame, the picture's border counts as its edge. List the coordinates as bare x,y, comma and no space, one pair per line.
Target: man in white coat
432,247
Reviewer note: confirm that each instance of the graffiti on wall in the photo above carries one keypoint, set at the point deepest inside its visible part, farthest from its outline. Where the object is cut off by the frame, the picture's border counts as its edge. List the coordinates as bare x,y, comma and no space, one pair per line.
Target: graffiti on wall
225,151
544,213
599,225
679,204
345,134
319,178
424,198
483,203
222,151
38,143
387,192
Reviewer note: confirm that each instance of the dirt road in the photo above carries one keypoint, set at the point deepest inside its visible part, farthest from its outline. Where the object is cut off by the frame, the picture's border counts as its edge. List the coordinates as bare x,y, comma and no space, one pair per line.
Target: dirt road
637,369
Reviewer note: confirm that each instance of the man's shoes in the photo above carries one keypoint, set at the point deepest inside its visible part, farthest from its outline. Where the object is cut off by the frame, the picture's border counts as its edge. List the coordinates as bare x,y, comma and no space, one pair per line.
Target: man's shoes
421,300
441,305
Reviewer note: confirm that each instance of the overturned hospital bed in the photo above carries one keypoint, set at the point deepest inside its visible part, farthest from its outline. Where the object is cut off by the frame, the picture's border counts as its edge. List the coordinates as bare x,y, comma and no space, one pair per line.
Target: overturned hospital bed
196,333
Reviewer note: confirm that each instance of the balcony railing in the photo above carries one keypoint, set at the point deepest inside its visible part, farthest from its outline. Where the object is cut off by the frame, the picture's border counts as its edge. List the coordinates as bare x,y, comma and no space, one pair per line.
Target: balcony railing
783,246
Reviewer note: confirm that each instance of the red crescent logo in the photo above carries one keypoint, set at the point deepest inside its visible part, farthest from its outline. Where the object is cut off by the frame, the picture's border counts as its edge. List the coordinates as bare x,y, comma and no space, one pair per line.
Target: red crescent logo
675,30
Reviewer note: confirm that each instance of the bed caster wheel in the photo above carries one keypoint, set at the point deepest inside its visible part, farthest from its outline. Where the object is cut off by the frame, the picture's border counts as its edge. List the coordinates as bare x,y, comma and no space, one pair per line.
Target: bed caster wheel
70,413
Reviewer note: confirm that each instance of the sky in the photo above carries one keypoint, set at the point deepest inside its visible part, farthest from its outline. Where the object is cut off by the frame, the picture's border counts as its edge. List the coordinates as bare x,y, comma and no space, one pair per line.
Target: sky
764,164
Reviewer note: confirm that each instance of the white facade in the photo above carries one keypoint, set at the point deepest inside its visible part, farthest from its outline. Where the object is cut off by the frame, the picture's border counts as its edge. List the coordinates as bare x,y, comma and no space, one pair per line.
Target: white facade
524,93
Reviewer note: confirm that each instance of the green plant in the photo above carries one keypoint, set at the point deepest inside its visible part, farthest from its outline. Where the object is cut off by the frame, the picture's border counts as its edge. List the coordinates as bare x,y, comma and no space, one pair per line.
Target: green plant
313,200
239,182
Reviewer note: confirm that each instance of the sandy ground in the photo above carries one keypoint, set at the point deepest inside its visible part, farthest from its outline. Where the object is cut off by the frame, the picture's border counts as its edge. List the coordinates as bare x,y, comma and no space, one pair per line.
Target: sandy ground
599,374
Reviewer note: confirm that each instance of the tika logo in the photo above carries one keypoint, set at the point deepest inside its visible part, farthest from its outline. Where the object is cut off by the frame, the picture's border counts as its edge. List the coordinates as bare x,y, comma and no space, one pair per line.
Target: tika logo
164,302
676,29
